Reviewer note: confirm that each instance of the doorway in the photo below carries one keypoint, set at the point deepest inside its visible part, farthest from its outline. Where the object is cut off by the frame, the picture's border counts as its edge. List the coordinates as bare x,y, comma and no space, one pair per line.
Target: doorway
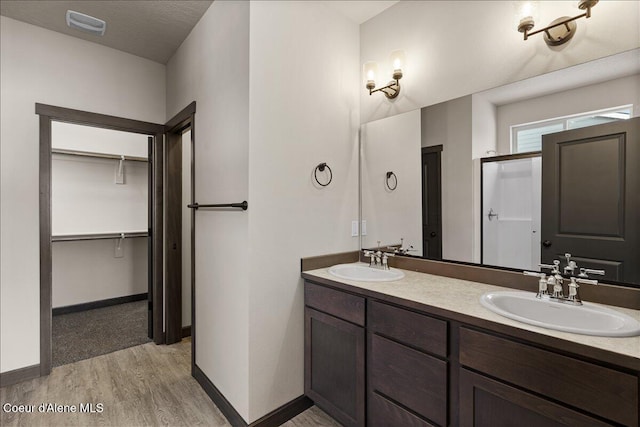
510,206
100,226
593,169
432,202
180,221
48,115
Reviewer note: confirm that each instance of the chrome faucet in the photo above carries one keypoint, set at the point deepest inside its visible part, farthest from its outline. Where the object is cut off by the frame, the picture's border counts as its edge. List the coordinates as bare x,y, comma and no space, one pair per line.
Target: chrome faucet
401,250
555,281
378,258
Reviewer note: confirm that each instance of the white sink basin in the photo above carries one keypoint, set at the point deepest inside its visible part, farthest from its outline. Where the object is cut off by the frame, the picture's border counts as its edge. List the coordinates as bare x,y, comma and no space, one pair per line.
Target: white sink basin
588,319
364,273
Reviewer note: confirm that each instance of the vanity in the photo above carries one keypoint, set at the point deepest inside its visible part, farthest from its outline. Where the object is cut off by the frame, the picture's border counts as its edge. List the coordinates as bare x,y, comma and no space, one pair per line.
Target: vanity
423,351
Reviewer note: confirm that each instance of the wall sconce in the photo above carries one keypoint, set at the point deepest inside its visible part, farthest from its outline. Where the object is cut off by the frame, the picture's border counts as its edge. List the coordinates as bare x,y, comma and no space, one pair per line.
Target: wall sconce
370,71
560,30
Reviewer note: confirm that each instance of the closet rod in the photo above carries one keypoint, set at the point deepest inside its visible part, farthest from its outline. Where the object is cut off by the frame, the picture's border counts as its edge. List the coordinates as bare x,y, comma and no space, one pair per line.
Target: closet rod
97,236
97,155
243,205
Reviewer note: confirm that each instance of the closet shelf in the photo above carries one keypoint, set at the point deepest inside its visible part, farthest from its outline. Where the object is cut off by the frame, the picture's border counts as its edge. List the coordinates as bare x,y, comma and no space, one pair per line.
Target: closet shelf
97,236
97,155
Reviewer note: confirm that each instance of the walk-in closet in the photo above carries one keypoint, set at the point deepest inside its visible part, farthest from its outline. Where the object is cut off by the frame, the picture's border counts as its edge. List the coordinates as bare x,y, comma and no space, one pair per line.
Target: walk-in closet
100,241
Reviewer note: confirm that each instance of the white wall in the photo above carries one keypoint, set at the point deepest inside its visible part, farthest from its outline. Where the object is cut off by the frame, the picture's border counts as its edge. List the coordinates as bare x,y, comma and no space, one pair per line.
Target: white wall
450,124
304,110
85,198
392,144
455,48
70,136
211,67
85,271
612,93
37,65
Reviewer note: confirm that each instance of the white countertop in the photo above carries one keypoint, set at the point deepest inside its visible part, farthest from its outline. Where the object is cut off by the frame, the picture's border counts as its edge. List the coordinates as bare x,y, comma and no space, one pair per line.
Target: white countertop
463,297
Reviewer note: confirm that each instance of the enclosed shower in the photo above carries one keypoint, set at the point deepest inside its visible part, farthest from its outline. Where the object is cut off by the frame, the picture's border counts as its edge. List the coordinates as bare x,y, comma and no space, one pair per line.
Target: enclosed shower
511,204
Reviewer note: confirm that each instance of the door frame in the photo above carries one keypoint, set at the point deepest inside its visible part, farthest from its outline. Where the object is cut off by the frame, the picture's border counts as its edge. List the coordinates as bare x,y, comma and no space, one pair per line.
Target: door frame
174,129
501,158
49,113
437,149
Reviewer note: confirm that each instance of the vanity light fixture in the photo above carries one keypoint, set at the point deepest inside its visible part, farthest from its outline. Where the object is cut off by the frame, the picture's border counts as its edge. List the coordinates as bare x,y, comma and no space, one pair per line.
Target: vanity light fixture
370,71
560,30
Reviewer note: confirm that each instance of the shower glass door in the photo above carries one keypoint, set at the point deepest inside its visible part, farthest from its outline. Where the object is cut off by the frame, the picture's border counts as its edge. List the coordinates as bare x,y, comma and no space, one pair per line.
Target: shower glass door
511,201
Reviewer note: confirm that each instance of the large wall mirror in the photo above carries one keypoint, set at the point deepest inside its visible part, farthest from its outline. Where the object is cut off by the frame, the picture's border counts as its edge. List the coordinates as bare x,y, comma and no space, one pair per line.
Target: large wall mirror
514,176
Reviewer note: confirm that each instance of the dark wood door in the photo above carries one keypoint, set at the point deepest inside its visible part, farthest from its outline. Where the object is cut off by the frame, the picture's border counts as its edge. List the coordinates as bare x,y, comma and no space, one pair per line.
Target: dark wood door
173,239
488,403
335,367
591,198
150,243
431,202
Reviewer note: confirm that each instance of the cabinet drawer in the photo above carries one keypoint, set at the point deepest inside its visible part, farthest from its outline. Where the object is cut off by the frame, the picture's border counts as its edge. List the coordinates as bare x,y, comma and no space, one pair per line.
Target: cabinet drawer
417,330
383,413
411,378
595,389
337,303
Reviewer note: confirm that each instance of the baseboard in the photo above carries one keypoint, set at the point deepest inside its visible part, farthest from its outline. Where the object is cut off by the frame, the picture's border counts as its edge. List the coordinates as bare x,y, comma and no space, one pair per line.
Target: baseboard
230,413
19,375
98,304
186,331
284,413
272,419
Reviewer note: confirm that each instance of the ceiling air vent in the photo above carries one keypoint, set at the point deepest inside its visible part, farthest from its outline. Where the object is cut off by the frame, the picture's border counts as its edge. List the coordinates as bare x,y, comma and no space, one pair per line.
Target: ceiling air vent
86,23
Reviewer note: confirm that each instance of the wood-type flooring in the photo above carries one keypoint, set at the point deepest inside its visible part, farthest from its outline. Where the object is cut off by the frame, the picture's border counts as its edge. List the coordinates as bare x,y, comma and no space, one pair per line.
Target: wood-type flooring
146,385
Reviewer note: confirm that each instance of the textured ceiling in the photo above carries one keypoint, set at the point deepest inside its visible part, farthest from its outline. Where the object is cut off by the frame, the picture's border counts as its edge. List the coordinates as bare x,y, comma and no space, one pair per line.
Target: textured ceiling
150,29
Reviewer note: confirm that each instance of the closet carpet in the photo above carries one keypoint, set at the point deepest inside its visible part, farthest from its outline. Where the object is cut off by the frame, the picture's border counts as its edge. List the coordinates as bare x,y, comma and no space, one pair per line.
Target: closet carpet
91,333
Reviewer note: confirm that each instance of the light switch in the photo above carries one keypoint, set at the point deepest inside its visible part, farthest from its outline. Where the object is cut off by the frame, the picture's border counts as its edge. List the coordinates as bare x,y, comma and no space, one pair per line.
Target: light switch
363,229
354,228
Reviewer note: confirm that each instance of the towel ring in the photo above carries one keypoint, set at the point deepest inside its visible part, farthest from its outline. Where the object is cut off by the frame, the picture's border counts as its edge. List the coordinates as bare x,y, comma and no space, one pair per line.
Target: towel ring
321,168
395,179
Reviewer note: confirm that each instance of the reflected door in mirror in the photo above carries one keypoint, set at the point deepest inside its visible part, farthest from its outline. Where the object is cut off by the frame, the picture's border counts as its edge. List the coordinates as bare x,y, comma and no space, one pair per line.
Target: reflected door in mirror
590,198
431,202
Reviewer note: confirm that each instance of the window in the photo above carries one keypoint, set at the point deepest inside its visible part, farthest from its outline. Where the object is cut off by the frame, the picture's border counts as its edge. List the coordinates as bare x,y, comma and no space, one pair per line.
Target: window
528,137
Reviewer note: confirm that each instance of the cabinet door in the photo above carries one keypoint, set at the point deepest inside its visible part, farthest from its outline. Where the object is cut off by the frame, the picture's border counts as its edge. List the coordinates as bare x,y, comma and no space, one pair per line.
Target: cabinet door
334,366
488,403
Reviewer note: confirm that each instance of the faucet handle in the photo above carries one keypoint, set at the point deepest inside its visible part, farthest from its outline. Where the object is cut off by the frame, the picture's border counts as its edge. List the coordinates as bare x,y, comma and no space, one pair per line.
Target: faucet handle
554,268
542,283
532,273
573,296
584,272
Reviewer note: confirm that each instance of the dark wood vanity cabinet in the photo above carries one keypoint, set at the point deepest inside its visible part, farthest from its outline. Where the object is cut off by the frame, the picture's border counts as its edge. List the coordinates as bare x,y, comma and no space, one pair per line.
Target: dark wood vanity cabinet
428,371
504,382
406,367
335,353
